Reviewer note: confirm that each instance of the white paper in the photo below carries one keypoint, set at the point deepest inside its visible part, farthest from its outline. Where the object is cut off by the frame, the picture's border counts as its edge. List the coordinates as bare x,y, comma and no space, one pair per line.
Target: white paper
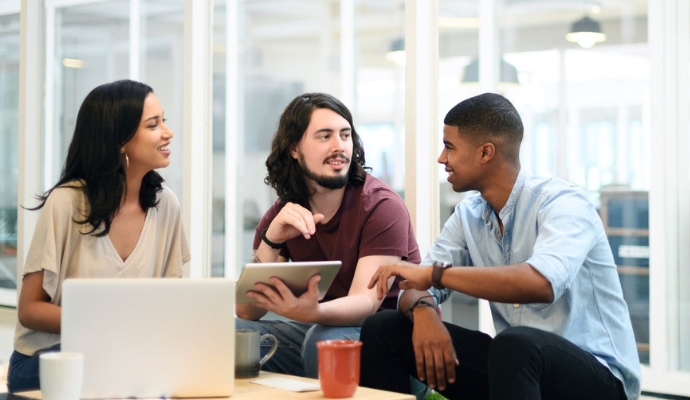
292,385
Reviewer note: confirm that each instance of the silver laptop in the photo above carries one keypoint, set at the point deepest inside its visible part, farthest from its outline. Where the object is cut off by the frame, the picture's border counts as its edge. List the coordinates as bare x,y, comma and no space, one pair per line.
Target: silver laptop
152,337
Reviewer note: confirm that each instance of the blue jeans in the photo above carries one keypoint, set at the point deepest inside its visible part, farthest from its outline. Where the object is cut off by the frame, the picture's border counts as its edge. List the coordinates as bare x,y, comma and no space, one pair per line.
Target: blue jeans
22,374
297,353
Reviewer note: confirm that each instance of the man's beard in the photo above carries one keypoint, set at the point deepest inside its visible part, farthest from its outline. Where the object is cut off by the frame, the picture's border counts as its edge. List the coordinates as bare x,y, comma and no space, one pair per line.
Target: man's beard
328,182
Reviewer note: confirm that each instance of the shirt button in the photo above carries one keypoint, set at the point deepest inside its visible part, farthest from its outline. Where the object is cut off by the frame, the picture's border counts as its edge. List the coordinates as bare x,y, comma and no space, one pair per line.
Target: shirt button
516,305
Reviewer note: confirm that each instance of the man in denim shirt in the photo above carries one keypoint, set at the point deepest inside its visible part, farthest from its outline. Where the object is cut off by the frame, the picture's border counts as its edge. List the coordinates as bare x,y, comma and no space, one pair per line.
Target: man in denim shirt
537,250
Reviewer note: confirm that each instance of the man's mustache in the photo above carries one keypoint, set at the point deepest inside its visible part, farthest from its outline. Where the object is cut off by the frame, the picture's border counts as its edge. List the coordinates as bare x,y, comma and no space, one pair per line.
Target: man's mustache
339,156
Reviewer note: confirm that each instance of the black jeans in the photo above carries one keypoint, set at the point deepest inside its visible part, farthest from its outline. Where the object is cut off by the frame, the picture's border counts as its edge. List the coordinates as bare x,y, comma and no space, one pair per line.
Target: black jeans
519,363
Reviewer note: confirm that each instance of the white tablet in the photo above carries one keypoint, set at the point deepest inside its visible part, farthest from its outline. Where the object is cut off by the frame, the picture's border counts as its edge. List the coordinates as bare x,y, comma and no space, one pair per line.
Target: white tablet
295,275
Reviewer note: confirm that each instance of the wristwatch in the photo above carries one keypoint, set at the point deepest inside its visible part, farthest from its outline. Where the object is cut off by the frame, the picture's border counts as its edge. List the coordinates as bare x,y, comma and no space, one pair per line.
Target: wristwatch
437,272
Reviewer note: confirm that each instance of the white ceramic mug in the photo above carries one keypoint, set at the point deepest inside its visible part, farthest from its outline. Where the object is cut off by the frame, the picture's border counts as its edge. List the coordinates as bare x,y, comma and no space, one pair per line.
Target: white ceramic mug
248,352
60,375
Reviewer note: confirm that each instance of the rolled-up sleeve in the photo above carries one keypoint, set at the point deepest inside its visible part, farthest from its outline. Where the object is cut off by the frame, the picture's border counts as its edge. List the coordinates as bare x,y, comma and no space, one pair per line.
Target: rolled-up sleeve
450,246
566,235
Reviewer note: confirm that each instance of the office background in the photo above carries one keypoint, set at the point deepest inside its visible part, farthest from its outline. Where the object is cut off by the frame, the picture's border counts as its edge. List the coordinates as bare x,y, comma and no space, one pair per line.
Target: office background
608,112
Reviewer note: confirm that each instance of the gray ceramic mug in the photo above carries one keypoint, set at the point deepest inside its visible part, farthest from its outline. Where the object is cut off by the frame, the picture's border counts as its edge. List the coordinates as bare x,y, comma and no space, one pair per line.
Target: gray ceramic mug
247,352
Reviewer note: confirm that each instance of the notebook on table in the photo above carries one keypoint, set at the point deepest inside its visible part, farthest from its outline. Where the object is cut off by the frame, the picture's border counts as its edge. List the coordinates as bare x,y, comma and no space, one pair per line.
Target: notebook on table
152,337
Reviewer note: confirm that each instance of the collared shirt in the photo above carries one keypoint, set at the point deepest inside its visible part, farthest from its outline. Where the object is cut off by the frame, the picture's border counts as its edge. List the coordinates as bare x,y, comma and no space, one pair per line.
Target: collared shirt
551,225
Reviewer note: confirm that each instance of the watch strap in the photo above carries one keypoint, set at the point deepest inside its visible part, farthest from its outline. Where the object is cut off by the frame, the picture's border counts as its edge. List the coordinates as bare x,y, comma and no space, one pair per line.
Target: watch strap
437,273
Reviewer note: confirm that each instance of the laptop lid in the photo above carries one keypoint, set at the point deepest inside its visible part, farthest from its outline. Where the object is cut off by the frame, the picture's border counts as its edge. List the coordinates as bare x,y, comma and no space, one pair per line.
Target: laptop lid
152,337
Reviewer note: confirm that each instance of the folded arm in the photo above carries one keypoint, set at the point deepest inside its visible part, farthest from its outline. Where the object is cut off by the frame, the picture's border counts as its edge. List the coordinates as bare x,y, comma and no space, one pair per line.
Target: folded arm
34,308
292,220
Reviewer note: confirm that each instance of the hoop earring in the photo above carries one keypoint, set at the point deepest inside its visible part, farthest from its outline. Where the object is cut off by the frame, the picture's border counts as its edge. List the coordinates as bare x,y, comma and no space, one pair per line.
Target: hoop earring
122,151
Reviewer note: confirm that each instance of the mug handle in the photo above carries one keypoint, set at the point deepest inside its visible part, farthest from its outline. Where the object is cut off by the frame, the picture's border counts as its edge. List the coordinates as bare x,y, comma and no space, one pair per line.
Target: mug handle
273,348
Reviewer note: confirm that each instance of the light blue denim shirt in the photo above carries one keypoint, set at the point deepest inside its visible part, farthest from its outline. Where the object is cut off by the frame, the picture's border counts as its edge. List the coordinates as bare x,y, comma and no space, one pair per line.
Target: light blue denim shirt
551,225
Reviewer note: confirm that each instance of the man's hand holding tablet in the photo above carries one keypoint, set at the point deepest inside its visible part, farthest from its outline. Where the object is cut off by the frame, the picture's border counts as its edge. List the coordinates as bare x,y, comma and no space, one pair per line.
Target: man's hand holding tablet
295,275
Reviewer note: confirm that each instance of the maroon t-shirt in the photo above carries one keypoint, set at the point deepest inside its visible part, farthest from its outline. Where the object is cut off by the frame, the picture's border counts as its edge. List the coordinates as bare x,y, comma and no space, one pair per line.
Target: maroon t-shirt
372,221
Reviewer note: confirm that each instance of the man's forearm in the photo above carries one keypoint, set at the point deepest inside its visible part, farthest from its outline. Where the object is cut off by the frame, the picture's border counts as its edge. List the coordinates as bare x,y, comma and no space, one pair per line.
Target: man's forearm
350,310
516,283
265,253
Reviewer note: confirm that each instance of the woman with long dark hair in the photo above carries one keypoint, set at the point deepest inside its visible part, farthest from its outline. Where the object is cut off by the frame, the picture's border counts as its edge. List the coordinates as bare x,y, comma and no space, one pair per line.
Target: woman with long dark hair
108,216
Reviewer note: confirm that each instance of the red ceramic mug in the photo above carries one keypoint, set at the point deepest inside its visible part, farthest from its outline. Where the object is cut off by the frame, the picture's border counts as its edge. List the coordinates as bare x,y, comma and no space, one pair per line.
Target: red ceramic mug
339,367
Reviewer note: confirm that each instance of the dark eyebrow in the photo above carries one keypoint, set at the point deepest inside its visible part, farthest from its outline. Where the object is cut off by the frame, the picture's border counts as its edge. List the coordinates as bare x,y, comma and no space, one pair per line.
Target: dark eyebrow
154,117
329,130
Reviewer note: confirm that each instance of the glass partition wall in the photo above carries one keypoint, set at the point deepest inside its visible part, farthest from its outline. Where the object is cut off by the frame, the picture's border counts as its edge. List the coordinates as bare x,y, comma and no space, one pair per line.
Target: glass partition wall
458,36
98,42
683,312
589,114
585,111
589,117
285,48
9,135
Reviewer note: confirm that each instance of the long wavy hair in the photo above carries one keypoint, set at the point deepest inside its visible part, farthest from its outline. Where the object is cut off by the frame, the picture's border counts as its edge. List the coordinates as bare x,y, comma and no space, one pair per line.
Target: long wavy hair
107,119
285,174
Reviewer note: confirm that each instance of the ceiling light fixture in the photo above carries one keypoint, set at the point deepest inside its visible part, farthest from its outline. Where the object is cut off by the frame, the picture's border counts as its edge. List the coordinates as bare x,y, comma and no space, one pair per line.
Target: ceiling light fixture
396,52
586,32
72,63
509,74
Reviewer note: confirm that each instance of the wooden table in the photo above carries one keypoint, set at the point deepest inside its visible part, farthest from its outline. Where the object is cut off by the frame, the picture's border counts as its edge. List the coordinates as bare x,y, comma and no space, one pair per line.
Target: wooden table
245,389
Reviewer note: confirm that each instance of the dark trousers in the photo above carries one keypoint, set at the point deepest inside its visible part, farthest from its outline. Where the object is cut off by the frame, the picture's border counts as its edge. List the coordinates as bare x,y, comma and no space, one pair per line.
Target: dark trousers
22,373
519,363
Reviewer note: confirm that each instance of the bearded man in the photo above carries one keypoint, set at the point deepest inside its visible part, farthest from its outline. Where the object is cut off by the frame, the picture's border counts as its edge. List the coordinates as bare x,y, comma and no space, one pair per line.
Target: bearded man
329,208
